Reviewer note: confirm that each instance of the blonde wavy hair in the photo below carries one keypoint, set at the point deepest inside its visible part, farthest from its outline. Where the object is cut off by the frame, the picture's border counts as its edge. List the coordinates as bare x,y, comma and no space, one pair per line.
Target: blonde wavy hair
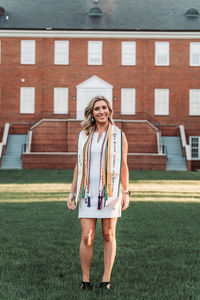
88,123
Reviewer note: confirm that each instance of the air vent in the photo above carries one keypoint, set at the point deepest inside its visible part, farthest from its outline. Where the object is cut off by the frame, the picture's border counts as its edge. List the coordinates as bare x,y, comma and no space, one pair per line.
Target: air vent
95,12
192,12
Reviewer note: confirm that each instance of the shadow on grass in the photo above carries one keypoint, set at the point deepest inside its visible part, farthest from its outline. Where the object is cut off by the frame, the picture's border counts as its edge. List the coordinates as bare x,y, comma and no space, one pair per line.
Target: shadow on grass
158,252
65,176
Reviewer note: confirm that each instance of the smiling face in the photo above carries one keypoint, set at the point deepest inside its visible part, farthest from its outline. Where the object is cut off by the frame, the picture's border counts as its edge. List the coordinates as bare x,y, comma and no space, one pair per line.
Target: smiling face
100,112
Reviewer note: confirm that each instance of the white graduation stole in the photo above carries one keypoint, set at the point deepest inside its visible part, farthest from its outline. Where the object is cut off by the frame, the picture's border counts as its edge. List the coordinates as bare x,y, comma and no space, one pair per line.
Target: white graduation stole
116,160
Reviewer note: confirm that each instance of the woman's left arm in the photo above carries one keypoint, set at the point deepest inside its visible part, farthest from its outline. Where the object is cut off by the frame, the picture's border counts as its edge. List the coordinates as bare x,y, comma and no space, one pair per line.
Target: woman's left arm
124,173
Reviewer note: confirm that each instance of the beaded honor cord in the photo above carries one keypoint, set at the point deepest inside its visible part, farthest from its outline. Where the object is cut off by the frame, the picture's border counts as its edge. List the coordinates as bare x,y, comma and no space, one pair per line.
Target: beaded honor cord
87,196
101,184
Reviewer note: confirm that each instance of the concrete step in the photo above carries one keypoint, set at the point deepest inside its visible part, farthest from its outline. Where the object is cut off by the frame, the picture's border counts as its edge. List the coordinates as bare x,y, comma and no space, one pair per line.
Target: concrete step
176,168
175,160
12,158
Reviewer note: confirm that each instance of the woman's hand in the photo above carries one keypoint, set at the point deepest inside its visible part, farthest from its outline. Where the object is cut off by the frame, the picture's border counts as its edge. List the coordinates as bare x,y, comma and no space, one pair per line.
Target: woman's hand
125,201
71,201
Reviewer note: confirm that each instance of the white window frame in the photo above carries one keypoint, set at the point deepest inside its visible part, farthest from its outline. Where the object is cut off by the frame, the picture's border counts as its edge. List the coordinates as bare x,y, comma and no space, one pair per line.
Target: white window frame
194,45
198,147
195,112
66,92
124,60
64,52
156,100
28,59
90,53
130,111
32,110
165,51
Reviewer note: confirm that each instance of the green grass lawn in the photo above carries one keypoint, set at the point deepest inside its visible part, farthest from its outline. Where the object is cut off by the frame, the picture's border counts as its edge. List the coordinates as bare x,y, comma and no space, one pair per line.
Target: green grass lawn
158,240
63,176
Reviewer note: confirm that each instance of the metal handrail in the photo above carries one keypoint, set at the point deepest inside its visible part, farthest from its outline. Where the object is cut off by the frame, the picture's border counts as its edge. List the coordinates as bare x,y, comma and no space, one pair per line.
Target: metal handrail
159,142
51,114
184,143
164,150
23,149
4,138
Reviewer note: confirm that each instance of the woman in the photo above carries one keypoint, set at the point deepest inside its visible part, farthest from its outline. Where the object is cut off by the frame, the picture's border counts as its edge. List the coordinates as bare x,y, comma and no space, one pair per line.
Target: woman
102,162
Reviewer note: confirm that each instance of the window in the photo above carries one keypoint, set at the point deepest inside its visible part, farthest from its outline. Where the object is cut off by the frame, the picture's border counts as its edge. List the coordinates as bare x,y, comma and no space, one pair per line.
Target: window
161,106
194,54
60,100
27,100
162,54
28,52
195,147
61,53
128,53
128,101
94,53
194,106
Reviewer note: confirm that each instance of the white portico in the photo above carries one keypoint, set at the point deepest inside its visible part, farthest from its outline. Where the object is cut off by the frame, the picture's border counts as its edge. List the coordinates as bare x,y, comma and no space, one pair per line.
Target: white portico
94,86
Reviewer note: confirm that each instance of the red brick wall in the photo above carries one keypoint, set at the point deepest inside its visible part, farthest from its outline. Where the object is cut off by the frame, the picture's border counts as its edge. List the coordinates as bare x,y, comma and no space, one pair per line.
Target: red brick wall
141,137
147,162
195,164
169,130
189,165
19,129
179,77
1,134
192,132
50,137
45,161
73,129
60,136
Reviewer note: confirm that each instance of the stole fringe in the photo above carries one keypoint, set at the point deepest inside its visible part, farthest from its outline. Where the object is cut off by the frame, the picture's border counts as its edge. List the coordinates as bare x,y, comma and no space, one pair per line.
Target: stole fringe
99,202
88,201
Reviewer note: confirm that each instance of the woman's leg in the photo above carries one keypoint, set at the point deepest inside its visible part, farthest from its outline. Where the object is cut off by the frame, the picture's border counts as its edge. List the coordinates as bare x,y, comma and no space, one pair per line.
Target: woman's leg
88,227
108,231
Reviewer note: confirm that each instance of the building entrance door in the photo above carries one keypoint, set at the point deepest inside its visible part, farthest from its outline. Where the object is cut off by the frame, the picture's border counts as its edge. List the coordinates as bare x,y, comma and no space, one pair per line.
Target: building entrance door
88,89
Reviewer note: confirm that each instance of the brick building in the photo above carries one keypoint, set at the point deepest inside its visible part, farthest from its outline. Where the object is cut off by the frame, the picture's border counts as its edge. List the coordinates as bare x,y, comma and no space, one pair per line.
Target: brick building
144,58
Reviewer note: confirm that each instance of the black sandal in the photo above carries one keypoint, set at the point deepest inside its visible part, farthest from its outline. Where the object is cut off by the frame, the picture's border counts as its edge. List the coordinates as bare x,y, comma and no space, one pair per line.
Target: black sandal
105,285
86,286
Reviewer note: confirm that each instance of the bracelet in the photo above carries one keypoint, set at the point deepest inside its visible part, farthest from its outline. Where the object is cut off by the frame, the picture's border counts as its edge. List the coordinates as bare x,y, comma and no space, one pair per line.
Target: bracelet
127,192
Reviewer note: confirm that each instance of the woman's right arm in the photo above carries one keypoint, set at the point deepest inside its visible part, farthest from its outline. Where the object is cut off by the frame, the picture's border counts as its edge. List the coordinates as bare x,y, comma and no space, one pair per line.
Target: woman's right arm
71,197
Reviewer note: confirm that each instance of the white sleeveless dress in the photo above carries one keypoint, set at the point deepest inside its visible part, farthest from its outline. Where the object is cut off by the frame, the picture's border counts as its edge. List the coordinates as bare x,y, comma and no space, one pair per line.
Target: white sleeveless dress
112,210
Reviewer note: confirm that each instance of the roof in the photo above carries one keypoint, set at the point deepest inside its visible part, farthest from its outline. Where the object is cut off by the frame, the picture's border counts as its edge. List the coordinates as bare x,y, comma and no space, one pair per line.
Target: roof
144,15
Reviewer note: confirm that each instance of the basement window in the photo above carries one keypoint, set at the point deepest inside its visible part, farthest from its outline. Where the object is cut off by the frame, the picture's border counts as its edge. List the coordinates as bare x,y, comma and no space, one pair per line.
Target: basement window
195,147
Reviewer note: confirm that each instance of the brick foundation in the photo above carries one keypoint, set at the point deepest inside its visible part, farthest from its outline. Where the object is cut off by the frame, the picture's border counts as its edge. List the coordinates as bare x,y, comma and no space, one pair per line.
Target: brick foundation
68,161
48,161
146,162
62,136
195,165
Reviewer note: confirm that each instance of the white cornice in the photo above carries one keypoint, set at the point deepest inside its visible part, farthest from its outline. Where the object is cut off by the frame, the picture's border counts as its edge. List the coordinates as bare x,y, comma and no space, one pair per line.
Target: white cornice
100,34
